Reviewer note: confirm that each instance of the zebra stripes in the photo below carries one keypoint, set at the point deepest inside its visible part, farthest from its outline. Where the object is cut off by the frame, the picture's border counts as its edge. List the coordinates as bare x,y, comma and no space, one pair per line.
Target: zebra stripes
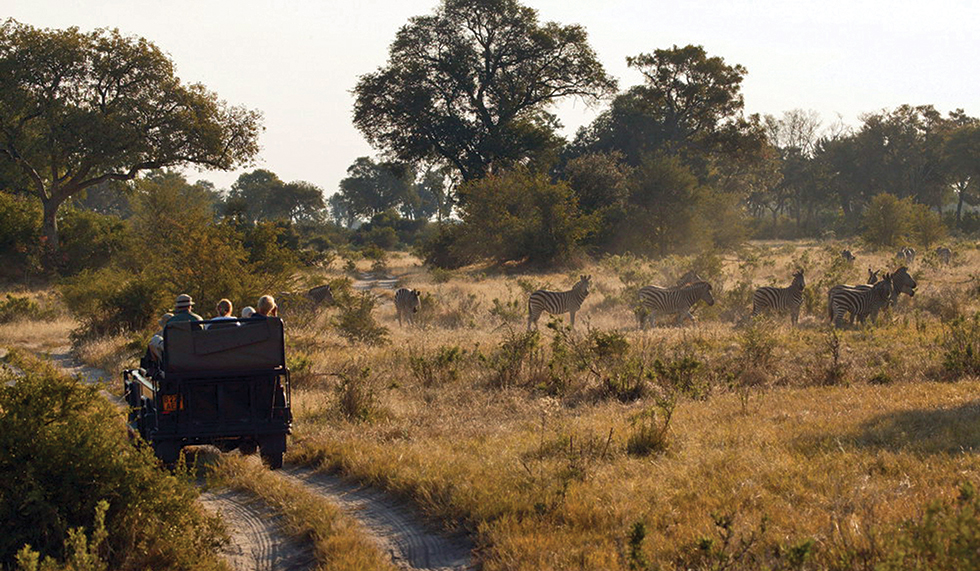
944,254
557,302
407,304
676,300
781,299
860,301
906,254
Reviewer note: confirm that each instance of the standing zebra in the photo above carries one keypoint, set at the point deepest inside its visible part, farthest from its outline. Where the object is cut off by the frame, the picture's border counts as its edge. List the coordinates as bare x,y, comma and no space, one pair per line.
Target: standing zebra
860,301
407,303
873,276
902,282
674,300
781,299
944,254
906,254
557,302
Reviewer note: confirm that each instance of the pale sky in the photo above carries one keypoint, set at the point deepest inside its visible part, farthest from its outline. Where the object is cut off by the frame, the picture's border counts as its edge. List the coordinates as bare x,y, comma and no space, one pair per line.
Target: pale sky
297,61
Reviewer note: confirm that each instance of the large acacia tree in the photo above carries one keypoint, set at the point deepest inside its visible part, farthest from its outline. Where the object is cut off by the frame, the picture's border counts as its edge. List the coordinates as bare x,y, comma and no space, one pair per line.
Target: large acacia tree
79,109
470,85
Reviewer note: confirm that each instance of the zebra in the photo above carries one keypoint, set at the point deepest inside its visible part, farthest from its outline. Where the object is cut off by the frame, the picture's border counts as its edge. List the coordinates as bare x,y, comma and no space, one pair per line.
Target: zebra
557,302
674,300
847,255
906,254
781,299
860,301
690,277
902,282
407,303
873,276
297,301
944,254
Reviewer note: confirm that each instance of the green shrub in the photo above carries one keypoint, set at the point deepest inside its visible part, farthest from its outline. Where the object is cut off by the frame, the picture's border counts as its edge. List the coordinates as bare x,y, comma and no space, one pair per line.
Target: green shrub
20,236
63,452
109,301
961,347
356,321
439,368
22,308
517,361
90,240
357,397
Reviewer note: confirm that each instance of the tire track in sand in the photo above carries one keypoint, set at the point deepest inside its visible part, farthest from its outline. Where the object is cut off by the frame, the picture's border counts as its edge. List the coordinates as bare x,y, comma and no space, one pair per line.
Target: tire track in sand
258,542
392,524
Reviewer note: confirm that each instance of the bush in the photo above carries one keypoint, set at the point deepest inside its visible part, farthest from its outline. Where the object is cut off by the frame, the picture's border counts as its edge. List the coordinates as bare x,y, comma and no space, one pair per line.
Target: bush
961,347
21,308
63,454
890,222
520,216
109,301
20,236
356,323
90,240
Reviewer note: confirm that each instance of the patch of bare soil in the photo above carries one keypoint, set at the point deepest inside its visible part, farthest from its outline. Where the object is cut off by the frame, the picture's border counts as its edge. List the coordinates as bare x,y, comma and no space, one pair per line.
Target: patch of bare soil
393,525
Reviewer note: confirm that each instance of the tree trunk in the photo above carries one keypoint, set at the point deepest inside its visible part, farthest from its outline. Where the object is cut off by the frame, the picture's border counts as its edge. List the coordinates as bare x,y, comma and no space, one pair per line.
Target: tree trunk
50,225
959,206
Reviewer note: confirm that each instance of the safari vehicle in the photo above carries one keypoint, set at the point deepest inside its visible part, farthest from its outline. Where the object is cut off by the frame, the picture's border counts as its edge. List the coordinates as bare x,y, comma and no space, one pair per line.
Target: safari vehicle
220,382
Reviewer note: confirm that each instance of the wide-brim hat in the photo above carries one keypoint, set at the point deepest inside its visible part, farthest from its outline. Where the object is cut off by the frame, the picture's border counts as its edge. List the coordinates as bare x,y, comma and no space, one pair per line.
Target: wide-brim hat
184,301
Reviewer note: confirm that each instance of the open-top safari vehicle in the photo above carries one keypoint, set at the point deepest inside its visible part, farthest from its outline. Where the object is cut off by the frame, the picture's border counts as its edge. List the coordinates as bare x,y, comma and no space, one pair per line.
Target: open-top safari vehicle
220,382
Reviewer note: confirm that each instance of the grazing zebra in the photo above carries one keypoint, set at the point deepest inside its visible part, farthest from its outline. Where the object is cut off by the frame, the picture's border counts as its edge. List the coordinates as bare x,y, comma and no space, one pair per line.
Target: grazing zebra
944,254
557,302
781,299
297,301
873,276
906,254
860,301
675,300
407,303
847,255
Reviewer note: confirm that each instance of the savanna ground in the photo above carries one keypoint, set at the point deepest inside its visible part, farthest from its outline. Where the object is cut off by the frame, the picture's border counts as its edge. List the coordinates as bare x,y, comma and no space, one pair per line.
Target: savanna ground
729,444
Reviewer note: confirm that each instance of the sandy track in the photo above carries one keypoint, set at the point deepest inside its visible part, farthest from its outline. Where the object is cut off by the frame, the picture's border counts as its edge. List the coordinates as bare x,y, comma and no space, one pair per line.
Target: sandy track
392,524
258,542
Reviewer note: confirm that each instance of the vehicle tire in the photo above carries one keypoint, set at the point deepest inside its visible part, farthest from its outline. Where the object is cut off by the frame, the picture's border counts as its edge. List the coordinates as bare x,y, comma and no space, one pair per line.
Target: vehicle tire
271,448
248,447
167,452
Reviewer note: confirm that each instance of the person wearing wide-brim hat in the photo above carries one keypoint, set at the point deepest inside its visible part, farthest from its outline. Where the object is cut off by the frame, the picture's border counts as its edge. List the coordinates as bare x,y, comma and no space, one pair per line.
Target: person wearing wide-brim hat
182,310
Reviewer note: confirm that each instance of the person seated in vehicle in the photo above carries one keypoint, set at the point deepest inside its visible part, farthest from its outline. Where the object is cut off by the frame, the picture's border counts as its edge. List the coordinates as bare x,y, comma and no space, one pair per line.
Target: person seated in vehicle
182,310
154,352
247,312
266,307
224,318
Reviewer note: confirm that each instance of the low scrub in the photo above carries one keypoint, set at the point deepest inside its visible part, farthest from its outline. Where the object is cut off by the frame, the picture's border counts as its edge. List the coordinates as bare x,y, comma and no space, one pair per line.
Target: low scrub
73,487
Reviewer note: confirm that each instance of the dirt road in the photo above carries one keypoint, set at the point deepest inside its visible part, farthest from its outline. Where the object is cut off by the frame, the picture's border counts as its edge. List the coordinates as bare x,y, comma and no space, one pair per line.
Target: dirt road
392,524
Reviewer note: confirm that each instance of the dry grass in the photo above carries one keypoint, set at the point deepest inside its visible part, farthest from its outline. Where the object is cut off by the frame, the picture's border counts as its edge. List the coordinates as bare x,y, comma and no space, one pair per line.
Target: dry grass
831,452
528,467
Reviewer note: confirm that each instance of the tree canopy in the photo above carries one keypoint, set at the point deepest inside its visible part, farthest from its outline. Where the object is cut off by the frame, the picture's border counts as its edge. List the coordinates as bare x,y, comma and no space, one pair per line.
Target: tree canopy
79,109
470,85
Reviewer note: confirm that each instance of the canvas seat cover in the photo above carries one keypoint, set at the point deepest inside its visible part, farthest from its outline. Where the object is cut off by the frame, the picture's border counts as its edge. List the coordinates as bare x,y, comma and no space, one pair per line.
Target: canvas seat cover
256,345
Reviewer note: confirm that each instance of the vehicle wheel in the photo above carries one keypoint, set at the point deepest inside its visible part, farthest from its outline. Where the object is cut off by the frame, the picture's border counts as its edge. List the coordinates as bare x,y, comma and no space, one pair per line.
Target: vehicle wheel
167,452
271,448
248,447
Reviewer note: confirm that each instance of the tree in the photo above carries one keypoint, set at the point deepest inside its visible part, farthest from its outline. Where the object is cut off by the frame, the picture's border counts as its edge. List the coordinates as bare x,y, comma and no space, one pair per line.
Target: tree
470,85
80,109
689,103
962,156
372,188
261,195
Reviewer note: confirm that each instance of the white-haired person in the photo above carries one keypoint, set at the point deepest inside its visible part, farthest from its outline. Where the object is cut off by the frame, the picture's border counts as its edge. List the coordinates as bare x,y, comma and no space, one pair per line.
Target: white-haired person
266,307
247,312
